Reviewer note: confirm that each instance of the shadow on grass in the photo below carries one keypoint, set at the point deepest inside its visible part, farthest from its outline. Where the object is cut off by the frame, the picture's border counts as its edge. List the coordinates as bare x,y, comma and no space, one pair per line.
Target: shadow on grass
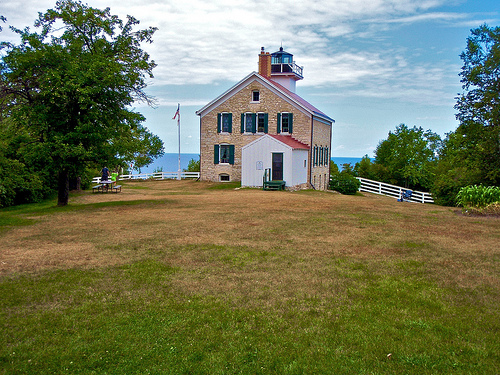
28,214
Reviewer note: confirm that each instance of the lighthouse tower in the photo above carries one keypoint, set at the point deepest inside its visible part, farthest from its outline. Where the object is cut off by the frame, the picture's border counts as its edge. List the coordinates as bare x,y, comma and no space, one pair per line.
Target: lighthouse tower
280,67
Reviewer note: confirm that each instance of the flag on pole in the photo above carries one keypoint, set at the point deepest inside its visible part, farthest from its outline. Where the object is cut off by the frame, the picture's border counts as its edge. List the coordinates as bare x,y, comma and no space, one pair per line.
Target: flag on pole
177,112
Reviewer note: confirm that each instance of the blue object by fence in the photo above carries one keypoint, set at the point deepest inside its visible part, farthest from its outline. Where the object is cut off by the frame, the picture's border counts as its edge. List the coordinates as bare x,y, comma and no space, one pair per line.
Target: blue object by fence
405,196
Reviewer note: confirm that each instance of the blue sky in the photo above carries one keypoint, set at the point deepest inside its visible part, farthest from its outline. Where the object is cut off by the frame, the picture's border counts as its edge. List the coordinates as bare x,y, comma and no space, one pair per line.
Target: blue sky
369,64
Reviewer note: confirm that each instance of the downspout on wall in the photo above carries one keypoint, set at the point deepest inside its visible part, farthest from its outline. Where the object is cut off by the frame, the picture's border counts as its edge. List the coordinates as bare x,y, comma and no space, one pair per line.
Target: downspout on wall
311,154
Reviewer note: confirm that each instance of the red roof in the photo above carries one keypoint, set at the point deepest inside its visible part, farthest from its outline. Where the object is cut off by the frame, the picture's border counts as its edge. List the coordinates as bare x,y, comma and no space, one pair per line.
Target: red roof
289,141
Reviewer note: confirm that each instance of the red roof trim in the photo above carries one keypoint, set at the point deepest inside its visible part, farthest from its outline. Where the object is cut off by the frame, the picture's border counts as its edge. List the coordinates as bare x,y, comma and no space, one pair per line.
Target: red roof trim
289,141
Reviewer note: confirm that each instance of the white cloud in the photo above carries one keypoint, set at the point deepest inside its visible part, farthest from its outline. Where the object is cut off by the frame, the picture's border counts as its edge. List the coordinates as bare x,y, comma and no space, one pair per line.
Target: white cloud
438,16
200,42
348,48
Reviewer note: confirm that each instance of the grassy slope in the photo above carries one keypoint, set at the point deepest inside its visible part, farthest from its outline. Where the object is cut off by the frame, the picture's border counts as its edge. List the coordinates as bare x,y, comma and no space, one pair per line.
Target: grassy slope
175,277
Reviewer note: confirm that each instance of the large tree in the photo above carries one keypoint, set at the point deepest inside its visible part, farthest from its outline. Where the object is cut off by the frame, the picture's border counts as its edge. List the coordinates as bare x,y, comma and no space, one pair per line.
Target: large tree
479,105
70,87
471,154
408,156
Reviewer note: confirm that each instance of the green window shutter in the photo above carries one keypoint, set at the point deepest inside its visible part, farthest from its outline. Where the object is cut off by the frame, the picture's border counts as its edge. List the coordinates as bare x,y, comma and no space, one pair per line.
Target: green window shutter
265,122
290,123
231,154
242,123
230,122
254,123
219,116
278,130
216,154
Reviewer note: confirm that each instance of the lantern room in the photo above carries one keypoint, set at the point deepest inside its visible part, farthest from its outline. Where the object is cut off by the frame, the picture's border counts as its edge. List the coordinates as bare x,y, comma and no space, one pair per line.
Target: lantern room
281,69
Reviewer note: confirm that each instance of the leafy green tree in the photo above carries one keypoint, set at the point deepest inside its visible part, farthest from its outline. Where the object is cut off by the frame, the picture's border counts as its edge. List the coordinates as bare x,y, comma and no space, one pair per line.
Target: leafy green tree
334,169
480,102
70,87
348,168
409,156
364,167
479,106
471,154
19,182
193,166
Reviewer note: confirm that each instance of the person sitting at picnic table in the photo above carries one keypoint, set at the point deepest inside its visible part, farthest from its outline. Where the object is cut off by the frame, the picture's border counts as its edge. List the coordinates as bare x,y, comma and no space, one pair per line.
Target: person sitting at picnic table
105,174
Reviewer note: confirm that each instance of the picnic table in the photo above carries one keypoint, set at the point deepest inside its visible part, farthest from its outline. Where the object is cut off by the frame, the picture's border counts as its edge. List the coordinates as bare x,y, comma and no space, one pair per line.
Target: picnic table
106,186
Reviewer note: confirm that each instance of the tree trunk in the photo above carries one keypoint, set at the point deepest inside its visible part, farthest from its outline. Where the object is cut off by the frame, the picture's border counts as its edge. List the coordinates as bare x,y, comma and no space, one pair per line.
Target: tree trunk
63,188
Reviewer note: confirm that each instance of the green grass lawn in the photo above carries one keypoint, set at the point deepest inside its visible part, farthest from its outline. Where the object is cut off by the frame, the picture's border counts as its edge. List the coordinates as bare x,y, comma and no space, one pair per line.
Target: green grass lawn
280,283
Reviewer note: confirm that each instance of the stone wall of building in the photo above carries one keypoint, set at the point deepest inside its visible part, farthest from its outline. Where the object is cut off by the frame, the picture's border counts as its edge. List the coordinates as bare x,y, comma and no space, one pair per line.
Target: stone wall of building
270,103
320,176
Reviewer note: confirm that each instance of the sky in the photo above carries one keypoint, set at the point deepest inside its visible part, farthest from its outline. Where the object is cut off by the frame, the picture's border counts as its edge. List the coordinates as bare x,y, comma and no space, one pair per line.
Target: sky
369,64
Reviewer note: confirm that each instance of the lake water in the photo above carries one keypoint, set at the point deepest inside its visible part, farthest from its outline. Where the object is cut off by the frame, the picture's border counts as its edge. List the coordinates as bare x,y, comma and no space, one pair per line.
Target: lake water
345,160
169,162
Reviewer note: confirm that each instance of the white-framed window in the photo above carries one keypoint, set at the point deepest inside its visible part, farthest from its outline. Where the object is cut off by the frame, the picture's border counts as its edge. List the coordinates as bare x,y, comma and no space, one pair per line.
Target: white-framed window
224,122
255,96
249,123
262,119
224,177
285,122
224,154
285,126
252,123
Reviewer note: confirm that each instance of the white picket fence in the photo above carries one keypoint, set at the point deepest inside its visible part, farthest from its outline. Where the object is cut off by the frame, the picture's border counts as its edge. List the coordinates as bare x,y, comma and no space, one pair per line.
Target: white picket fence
155,176
382,188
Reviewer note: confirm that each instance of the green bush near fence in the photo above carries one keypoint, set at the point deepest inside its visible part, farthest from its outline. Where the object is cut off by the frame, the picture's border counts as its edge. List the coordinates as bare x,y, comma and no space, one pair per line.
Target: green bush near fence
344,183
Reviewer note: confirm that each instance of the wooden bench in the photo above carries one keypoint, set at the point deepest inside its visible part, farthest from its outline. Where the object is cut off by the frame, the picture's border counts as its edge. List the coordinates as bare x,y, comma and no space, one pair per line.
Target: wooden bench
274,185
117,188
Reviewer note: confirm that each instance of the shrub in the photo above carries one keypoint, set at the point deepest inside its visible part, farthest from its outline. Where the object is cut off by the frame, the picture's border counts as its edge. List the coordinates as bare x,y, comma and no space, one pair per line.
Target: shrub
478,196
344,183
193,166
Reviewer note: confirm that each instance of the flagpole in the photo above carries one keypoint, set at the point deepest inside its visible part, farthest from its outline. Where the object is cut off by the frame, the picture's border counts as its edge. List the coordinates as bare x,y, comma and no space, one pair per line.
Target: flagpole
178,115
179,137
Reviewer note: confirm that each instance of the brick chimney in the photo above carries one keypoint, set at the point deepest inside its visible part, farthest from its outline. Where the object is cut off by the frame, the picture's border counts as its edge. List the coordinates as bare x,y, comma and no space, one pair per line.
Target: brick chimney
264,63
